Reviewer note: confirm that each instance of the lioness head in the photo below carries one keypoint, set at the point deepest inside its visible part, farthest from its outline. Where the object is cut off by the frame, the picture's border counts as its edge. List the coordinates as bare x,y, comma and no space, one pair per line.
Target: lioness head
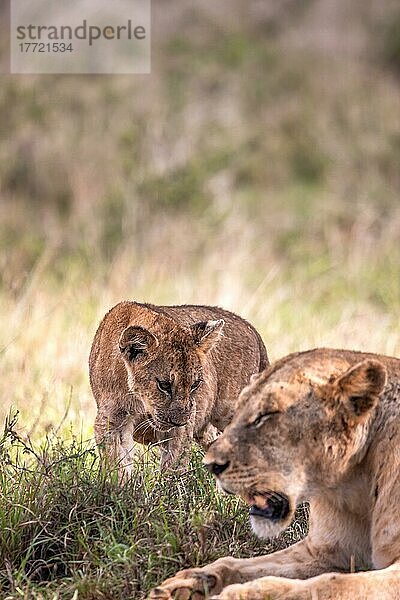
296,429
165,371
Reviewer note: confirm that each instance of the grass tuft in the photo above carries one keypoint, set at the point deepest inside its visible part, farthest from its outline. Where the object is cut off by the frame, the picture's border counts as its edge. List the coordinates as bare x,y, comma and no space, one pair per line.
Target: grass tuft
68,527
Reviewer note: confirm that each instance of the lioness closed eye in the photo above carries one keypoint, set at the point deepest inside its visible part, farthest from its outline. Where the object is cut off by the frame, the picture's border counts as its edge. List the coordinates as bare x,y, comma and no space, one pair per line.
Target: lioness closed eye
322,426
169,374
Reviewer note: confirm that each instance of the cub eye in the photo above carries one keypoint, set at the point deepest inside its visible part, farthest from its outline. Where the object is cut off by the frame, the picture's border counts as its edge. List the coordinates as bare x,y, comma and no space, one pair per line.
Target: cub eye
195,385
164,386
261,419
133,353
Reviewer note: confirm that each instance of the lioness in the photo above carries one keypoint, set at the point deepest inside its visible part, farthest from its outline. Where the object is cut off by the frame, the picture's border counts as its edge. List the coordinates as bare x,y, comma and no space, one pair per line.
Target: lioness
168,374
322,426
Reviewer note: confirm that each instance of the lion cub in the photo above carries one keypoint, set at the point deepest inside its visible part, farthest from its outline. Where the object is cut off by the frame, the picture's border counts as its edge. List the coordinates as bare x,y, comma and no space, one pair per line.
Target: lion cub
168,374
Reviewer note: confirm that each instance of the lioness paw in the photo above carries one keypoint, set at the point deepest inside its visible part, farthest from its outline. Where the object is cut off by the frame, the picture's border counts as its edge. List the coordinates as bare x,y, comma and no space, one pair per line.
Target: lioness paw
189,584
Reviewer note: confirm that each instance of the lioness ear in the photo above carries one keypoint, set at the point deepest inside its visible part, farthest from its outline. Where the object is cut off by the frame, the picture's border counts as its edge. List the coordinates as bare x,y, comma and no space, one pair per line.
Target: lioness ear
135,340
207,333
361,386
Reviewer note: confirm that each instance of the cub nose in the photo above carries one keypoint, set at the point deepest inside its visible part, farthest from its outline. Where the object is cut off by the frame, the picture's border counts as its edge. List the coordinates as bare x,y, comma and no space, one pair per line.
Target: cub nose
216,468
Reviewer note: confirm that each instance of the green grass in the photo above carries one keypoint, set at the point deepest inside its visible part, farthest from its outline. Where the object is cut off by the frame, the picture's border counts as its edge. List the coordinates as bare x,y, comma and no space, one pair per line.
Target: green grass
69,528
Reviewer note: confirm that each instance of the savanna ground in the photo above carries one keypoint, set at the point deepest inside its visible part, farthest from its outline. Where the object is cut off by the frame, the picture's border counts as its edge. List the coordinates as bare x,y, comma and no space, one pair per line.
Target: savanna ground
257,168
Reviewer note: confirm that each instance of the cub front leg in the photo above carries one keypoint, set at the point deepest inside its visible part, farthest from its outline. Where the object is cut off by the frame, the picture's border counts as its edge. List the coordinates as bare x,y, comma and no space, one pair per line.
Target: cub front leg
175,447
114,438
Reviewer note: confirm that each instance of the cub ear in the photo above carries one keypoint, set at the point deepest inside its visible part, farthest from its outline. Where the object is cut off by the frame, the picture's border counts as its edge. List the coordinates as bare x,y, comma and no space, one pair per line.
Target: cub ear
361,386
207,333
135,340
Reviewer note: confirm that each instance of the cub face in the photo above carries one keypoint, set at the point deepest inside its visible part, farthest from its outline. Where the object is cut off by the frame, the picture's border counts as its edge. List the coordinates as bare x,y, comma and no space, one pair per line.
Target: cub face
166,373
292,434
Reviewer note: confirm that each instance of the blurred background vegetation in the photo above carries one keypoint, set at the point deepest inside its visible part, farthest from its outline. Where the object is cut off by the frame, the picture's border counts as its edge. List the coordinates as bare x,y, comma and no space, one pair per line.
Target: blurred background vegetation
257,167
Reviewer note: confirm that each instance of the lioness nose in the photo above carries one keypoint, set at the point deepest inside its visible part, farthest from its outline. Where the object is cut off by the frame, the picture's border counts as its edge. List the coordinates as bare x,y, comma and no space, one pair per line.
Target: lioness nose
216,468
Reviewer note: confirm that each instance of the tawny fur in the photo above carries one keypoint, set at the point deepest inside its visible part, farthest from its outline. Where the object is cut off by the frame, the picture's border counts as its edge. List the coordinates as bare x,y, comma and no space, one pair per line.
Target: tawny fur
330,434
136,344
